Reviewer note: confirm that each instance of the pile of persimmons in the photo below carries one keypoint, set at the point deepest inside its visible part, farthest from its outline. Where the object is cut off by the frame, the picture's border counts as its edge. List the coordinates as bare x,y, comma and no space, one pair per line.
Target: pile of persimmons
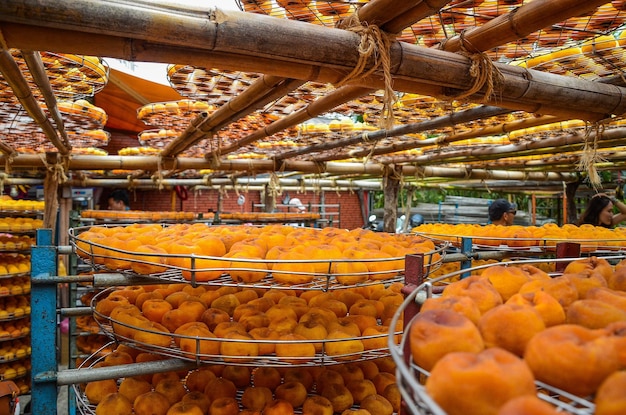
489,337
248,254
516,236
319,352
286,334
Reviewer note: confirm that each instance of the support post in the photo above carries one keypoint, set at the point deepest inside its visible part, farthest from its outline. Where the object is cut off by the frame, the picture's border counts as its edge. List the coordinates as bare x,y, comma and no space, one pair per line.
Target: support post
391,188
566,250
466,249
43,299
413,278
268,199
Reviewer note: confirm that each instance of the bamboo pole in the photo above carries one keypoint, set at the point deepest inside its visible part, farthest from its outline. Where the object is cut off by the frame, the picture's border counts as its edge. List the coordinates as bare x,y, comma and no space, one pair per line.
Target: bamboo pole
240,182
447,120
275,49
519,23
6,149
14,77
560,164
383,12
547,145
503,128
264,90
312,184
320,106
482,174
574,142
477,175
443,140
267,89
417,13
83,162
38,72
377,12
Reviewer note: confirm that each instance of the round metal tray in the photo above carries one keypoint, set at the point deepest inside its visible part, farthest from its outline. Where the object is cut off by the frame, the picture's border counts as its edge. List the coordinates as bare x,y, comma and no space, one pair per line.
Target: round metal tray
221,269
530,245
85,408
126,333
408,374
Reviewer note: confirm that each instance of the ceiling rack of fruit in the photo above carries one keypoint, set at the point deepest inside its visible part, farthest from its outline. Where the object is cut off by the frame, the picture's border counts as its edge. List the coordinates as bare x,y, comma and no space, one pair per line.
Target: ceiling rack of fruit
264,90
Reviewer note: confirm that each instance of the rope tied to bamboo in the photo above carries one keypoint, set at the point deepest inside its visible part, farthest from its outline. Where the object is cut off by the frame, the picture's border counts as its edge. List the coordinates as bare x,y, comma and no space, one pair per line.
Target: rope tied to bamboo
590,156
273,187
56,170
131,183
206,180
468,173
482,69
236,187
158,177
320,166
396,173
442,140
377,43
8,162
484,182
369,156
214,161
420,172
317,188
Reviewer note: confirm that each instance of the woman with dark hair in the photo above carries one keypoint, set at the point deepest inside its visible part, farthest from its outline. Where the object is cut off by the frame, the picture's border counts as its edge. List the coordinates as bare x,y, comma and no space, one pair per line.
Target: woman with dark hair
599,211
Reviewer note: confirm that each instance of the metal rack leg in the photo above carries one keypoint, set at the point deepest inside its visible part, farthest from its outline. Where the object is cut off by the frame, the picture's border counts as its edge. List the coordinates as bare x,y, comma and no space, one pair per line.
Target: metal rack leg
413,278
566,250
43,326
466,249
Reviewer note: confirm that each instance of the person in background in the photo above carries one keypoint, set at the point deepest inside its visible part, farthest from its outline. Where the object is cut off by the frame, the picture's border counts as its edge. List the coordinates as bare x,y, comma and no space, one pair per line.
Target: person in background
297,204
299,208
600,212
118,200
502,212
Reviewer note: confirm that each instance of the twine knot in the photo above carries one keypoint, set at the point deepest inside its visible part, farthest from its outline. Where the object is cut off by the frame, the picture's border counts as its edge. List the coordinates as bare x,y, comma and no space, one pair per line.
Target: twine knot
374,42
589,156
482,69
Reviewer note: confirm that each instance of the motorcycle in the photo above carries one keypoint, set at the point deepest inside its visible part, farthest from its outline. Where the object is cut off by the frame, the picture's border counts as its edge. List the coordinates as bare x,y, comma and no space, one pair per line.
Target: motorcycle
375,224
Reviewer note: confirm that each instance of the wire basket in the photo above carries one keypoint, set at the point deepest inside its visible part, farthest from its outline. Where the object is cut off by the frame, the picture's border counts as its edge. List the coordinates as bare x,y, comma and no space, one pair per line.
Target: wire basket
531,245
209,348
84,407
295,274
411,377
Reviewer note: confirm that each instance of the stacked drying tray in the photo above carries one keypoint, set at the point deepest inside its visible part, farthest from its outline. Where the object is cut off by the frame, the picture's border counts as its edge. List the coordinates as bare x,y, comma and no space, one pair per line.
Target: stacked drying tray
265,331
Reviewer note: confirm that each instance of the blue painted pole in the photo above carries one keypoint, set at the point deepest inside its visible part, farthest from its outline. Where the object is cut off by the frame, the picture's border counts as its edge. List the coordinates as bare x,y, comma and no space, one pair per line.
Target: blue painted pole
43,299
466,249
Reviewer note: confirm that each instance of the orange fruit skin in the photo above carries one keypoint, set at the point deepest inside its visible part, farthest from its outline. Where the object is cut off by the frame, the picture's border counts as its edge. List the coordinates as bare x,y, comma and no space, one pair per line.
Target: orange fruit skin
497,376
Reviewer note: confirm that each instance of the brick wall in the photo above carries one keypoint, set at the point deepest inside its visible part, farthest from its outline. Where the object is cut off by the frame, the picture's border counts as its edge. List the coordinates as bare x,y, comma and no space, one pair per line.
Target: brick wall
207,200
350,216
120,140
